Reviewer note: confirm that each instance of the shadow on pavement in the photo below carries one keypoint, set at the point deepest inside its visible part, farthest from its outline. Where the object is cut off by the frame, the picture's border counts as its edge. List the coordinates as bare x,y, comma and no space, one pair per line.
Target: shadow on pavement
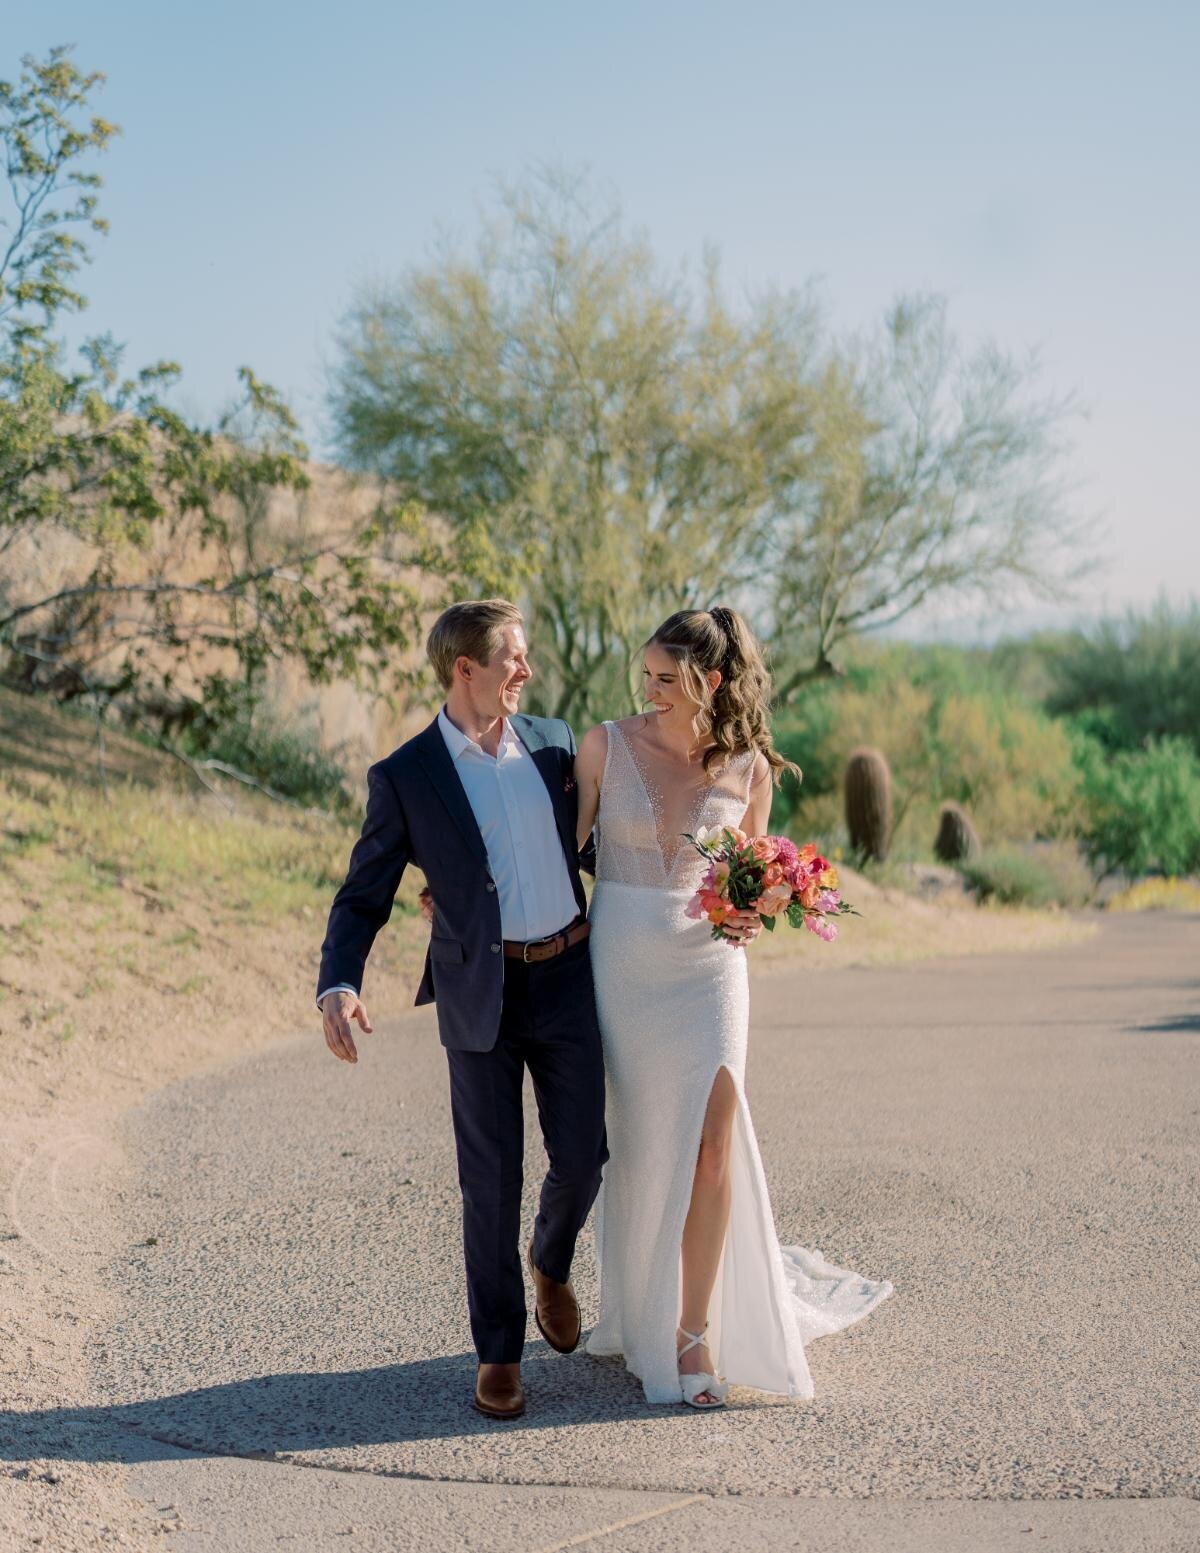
267,1415
1179,1025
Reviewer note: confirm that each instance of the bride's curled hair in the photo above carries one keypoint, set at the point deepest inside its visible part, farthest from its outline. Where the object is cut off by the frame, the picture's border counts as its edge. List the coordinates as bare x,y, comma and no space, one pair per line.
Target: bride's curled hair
736,715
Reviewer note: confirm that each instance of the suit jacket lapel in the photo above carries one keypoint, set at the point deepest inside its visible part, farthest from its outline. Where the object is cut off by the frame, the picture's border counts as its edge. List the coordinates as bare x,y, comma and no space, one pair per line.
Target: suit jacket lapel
436,759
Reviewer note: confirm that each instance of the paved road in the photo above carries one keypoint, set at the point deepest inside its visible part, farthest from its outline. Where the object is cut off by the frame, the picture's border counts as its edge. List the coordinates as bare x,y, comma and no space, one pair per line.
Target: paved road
1012,1141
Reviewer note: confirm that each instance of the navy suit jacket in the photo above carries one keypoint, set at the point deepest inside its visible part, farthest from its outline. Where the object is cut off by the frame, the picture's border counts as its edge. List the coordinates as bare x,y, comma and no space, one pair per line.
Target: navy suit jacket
418,812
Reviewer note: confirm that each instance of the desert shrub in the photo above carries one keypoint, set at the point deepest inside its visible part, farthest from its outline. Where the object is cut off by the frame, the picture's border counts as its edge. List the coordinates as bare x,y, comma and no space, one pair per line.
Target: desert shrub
285,757
1129,680
801,733
1142,807
1048,875
950,732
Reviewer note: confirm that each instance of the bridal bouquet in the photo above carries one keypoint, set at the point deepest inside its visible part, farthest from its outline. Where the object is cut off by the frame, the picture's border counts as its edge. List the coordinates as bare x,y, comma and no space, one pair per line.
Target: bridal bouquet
770,875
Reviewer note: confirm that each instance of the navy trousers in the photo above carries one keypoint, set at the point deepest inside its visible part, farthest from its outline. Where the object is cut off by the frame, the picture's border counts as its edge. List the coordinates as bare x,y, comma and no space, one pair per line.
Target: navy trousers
548,1023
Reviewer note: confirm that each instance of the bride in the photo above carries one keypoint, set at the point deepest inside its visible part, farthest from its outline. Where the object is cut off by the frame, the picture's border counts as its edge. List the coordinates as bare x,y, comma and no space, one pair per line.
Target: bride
695,1290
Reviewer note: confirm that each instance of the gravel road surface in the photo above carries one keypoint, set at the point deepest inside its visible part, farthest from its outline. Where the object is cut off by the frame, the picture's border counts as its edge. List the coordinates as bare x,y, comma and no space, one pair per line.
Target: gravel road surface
1011,1140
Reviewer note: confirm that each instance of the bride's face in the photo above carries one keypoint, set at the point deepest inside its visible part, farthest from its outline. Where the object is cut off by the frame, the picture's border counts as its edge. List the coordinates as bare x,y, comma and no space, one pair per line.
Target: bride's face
665,691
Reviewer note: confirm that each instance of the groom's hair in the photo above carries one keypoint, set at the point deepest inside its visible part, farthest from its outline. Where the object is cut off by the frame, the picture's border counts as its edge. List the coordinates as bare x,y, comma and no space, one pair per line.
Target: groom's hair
468,630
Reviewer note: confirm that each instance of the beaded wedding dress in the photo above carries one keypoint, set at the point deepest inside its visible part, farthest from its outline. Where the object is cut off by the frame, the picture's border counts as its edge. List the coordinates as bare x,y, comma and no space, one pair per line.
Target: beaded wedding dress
674,1009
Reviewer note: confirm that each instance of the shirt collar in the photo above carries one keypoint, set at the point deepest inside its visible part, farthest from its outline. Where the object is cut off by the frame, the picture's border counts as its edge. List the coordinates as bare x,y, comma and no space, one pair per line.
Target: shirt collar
457,742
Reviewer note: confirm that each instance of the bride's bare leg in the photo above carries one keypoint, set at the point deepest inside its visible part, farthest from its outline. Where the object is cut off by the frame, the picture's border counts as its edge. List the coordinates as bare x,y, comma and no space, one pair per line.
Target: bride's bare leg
707,1220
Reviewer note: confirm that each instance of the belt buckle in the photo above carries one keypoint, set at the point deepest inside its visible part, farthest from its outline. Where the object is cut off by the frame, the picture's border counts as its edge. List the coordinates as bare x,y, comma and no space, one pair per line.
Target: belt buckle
533,943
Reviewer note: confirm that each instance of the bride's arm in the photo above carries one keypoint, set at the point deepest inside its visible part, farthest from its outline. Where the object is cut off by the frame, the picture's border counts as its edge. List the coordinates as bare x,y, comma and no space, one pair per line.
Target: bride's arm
589,768
758,812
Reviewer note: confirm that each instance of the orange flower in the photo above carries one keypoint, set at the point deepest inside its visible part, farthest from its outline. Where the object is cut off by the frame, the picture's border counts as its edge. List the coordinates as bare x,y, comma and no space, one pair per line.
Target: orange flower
810,893
765,849
808,851
773,900
772,874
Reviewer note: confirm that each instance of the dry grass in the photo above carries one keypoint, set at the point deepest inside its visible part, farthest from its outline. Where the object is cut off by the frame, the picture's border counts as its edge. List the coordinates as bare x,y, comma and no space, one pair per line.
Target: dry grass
895,927
1158,895
141,908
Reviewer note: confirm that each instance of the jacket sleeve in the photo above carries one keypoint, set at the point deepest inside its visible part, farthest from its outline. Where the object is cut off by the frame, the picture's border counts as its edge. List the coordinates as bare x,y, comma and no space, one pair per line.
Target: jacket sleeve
364,902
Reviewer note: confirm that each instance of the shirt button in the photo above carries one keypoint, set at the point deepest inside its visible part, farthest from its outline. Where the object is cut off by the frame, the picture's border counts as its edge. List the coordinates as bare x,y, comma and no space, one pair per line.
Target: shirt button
491,887
495,948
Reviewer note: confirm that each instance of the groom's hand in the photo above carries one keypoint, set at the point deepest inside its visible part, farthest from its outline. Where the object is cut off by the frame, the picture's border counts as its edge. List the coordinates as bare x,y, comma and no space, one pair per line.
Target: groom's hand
425,904
337,1011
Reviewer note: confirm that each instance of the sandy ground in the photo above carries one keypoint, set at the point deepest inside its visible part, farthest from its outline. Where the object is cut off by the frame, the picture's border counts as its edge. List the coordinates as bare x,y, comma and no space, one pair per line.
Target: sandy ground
255,1261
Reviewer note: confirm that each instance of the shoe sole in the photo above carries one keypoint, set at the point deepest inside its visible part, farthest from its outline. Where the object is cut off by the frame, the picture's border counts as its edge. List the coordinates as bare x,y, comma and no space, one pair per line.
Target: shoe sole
490,1412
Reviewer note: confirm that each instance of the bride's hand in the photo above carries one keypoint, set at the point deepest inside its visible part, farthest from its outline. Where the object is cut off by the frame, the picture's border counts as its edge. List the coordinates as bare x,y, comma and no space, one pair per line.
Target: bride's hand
741,927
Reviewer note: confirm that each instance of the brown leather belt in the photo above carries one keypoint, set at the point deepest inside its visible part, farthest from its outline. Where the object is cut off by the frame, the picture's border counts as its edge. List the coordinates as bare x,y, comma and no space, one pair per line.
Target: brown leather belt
538,949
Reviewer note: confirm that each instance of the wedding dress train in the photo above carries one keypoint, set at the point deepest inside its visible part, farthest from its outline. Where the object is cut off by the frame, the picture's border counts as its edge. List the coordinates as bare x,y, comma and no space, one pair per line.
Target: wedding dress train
674,1009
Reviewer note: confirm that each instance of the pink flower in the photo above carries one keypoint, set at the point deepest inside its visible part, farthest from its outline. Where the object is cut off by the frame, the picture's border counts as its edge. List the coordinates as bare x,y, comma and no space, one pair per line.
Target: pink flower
772,874
786,854
828,900
765,849
694,908
822,927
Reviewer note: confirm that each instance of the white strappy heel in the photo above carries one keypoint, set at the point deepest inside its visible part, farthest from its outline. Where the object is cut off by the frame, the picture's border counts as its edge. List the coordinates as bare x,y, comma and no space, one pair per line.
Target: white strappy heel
693,1385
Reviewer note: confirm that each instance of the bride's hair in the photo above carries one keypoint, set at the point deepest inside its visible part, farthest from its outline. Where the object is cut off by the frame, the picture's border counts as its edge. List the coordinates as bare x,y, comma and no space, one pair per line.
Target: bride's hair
736,714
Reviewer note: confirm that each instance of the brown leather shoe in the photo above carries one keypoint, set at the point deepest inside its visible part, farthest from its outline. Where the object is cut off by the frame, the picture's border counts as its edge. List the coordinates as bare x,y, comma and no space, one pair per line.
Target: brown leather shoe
555,1309
498,1390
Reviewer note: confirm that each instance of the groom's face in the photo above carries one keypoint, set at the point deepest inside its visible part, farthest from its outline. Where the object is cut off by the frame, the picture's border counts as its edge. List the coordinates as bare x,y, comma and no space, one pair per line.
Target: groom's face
496,686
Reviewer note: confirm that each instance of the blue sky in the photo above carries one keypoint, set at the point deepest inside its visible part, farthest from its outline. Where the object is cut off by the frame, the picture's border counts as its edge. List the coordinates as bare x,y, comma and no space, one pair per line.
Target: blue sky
1036,163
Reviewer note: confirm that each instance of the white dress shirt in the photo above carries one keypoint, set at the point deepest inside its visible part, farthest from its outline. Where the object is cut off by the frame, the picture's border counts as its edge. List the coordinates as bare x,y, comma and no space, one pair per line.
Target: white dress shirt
515,816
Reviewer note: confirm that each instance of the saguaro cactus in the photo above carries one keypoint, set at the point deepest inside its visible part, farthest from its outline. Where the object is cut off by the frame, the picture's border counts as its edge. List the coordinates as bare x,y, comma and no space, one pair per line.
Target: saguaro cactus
957,839
868,793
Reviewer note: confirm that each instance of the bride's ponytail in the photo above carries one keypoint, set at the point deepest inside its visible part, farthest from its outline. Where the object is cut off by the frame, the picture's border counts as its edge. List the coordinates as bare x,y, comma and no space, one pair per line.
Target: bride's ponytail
736,715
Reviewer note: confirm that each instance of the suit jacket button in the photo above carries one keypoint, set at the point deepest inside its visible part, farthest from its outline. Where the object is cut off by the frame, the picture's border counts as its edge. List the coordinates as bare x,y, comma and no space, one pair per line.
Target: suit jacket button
491,887
495,948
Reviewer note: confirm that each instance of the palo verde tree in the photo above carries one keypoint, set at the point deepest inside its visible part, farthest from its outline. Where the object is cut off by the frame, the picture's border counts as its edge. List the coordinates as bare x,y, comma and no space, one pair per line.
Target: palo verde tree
608,445
935,475
598,439
137,567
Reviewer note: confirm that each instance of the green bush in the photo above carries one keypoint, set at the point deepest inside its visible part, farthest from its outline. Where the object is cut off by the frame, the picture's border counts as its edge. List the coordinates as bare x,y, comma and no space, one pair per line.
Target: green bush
1047,875
1127,681
951,730
289,760
1142,808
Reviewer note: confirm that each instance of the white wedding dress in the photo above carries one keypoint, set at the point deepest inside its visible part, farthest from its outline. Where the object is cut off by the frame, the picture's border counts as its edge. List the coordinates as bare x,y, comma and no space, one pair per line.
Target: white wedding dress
674,1008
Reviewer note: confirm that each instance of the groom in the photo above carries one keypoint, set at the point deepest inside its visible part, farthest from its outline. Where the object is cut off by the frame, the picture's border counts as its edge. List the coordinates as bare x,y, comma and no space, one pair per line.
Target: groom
483,801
